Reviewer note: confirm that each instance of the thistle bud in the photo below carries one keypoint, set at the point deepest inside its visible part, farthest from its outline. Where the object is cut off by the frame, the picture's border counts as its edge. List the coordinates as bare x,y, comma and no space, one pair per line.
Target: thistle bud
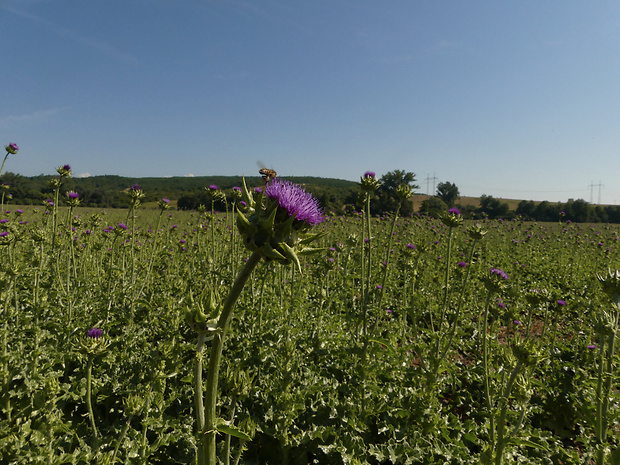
476,232
610,283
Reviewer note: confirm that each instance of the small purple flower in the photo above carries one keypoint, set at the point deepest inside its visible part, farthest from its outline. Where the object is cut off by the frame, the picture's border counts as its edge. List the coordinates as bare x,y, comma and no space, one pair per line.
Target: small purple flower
12,148
454,211
499,273
561,303
517,322
135,187
94,333
213,187
462,264
295,200
410,246
592,346
258,190
19,212
369,174
379,286
4,233
73,195
501,304
123,226
236,188
165,200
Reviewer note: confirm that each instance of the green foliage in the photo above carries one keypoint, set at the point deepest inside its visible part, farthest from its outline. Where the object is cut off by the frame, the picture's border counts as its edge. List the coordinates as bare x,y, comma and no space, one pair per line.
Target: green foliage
298,383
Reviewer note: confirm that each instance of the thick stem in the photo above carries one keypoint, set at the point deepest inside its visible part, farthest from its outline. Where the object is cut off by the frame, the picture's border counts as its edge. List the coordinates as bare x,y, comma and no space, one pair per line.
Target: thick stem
89,404
208,432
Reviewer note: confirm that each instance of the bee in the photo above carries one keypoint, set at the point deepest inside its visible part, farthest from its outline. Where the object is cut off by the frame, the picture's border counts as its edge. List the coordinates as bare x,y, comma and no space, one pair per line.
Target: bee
267,174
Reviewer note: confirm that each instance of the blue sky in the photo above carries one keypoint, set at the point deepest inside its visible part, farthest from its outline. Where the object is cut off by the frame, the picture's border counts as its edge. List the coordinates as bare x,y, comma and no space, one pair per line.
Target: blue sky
509,99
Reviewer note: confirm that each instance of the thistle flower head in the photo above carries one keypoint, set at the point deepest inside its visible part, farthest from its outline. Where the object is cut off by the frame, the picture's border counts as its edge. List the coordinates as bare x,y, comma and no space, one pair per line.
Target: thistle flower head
278,221
94,333
453,218
236,193
496,280
12,148
163,204
368,182
295,201
64,171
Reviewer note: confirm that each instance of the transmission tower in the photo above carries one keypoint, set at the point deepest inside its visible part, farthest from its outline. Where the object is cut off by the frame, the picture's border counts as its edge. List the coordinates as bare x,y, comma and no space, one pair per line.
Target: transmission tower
428,180
592,186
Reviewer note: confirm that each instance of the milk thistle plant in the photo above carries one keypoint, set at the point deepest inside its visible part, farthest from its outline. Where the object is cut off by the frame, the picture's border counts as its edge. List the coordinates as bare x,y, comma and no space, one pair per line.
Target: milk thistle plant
608,326
11,149
275,227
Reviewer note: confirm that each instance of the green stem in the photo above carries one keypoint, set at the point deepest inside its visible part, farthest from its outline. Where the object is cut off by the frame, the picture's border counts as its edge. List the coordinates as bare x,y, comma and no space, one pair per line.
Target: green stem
501,426
198,396
3,162
459,308
89,405
485,362
208,432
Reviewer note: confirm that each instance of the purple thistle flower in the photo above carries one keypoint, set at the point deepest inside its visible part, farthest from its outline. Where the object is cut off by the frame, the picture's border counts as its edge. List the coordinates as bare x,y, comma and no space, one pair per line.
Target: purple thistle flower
123,226
499,273
165,200
236,188
592,346
410,246
369,174
295,200
462,264
4,233
94,333
561,302
66,167
213,187
73,195
135,187
454,211
258,190
12,148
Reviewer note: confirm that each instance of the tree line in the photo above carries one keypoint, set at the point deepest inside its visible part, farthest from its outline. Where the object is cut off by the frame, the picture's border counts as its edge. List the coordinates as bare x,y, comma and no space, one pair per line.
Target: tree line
337,196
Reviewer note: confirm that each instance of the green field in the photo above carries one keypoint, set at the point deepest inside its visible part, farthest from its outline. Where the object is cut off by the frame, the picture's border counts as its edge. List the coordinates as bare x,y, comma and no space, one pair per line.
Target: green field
400,342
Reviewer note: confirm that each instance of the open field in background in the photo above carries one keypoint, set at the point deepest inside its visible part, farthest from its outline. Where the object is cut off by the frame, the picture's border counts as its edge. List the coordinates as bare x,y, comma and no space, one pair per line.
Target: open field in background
443,363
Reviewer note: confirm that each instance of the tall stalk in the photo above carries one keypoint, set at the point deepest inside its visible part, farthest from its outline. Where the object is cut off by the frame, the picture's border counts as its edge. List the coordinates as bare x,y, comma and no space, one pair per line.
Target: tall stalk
207,434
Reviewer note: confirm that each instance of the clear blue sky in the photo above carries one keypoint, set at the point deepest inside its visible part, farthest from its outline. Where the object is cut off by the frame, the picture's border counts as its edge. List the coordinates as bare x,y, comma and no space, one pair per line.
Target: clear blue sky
514,99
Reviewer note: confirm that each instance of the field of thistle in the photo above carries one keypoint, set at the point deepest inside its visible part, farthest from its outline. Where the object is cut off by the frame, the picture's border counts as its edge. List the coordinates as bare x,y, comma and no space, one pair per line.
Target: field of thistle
392,341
